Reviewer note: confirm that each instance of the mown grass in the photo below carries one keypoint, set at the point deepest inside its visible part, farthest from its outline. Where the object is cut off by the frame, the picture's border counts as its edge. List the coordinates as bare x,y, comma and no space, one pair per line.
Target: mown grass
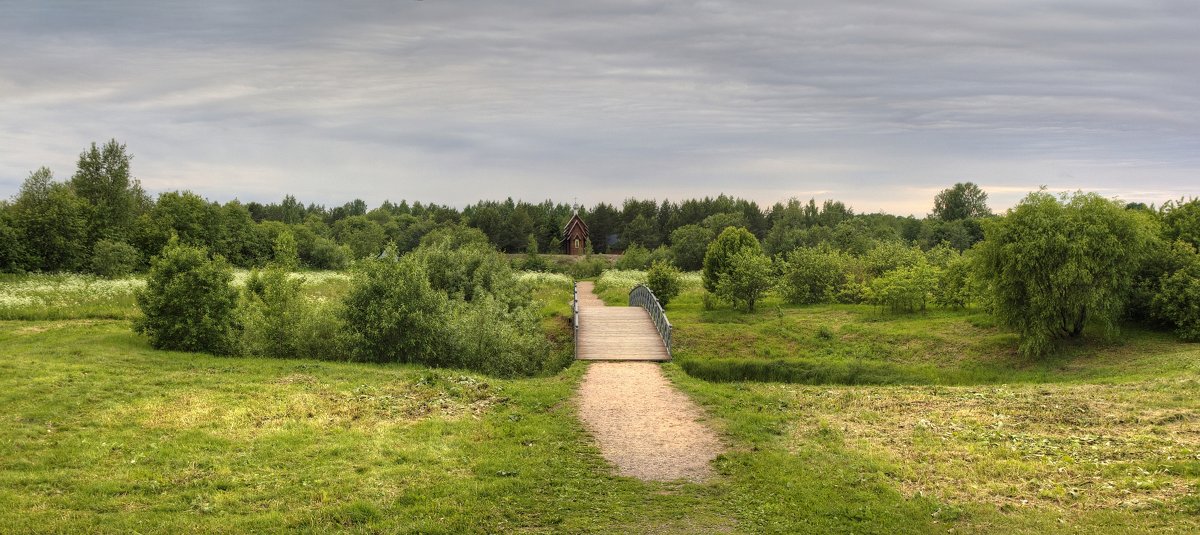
100,433
861,344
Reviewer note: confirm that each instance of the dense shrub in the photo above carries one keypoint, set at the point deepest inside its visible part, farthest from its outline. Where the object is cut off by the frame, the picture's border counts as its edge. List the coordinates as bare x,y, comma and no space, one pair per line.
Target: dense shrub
813,275
1178,299
887,256
747,276
468,270
487,336
955,286
188,303
717,259
663,280
278,321
589,267
1055,265
905,289
1181,220
114,259
327,254
392,314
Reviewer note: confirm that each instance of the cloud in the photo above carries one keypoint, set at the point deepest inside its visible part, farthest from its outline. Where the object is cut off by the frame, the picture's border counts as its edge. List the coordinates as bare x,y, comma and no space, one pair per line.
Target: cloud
874,103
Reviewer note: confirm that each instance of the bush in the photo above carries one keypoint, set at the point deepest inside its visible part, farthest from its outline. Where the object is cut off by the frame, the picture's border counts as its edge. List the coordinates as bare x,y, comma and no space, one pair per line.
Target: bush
485,335
887,256
635,257
277,320
955,286
720,253
392,314
663,280
813,275
1178,299
114,259
327,254
188,303
906,288
468,270
747,276
588,268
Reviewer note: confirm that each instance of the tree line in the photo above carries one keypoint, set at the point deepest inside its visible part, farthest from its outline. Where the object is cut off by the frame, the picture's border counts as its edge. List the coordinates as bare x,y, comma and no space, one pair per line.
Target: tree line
101,220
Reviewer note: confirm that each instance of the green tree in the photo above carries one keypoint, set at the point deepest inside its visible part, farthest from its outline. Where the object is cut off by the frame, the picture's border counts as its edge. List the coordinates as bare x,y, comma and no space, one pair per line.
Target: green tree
1177,301
1181,221
103,179
962,201
748,275
663,280
285,256
188,303
365,238
717,258
635,257
51,221
688,244
1055,264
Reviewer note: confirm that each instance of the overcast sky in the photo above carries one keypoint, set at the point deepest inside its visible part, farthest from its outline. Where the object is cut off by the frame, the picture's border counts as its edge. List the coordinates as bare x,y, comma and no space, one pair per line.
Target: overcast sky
879,104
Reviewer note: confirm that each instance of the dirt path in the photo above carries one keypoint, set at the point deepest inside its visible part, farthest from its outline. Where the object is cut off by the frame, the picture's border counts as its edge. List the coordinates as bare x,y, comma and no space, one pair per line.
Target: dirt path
643,425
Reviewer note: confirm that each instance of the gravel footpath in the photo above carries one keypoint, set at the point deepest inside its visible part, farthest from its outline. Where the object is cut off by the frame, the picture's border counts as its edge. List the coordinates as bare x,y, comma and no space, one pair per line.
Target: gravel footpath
643,425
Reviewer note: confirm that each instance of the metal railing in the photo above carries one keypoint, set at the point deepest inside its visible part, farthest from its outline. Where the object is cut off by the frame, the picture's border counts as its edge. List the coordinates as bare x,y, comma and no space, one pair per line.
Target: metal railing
641,296
575,315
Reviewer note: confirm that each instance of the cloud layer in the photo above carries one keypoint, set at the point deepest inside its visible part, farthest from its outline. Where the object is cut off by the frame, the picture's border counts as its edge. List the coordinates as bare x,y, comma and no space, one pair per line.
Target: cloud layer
451,101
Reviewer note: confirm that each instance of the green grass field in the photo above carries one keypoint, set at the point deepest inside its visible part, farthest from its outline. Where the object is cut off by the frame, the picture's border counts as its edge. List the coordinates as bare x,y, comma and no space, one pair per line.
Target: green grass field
100,433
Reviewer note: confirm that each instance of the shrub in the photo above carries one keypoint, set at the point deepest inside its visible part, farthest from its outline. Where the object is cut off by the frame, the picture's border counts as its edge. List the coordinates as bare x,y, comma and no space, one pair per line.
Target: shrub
813,275
663,280
1054,265
468,270
114,259
887,256
188,303
392,314
720,253
635,257
327,254
485,335
905,288
278,321
747,276
1178,299
589,267
955,286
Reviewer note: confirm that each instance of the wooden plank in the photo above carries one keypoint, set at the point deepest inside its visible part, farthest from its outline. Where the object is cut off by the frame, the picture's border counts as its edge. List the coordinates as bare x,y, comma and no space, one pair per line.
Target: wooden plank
616,333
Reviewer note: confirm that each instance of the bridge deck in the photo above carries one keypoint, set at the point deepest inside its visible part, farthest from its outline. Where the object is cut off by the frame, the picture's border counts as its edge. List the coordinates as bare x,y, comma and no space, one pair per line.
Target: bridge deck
616,333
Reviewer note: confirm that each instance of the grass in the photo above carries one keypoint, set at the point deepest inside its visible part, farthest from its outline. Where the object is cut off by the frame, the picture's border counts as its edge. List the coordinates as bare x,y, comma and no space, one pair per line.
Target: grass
100,433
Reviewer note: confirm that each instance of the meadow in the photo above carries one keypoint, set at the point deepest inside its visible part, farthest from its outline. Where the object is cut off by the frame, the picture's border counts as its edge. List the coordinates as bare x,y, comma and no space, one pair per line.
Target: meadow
943,428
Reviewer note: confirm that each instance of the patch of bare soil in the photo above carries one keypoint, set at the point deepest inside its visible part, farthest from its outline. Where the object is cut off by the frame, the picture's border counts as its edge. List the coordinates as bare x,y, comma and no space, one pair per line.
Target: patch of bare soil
643,425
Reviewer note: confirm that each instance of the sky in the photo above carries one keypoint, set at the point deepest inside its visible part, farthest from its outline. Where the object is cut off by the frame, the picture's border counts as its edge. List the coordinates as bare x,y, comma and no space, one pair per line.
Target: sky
879,104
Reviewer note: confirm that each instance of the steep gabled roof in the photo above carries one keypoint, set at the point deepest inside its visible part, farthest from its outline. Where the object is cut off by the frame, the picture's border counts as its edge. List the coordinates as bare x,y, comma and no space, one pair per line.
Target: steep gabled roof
575,220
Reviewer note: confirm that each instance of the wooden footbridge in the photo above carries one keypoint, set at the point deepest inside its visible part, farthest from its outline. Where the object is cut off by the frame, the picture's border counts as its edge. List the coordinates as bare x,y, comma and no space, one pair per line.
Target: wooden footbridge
636,332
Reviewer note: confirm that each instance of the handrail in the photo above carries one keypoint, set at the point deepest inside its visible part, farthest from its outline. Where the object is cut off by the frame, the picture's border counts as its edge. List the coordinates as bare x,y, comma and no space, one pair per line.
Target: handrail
575,315
642,296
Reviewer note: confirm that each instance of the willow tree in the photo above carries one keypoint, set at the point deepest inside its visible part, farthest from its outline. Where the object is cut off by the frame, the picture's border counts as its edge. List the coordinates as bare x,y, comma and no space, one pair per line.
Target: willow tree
1056,265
